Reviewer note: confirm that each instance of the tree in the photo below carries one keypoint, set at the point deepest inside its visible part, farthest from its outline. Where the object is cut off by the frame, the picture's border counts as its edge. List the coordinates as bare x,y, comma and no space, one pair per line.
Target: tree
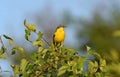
49,62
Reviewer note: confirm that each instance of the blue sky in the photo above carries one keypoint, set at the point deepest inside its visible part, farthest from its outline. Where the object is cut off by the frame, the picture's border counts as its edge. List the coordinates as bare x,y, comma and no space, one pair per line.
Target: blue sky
13,13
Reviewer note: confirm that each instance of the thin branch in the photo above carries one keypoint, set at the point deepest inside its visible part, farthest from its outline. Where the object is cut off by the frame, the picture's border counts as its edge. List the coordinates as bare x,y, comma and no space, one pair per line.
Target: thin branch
46,66
5,50
46,41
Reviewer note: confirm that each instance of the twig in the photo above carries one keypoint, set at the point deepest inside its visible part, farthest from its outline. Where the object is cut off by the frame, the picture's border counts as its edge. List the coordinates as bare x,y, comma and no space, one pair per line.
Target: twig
43,69
5,50
48,64
46,41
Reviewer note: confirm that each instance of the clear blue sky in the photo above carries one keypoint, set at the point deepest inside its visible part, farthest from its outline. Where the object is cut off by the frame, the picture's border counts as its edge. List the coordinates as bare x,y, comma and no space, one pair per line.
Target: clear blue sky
13,13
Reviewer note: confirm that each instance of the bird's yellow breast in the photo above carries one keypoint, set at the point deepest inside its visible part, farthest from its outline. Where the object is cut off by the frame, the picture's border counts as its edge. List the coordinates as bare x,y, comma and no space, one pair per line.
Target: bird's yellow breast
59,35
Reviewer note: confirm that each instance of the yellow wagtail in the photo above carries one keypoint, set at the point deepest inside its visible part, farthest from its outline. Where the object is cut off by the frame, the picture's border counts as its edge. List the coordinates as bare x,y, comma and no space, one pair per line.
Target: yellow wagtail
59,36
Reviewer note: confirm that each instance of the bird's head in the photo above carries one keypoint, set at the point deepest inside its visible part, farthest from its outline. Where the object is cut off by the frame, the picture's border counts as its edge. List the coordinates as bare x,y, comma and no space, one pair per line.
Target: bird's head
61,27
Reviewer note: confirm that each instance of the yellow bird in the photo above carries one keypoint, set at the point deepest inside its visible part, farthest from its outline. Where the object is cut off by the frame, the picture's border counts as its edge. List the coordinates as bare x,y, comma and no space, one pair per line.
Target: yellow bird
59,36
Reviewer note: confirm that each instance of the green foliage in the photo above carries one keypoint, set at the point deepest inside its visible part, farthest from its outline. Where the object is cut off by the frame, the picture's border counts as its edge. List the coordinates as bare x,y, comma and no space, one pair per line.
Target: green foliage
103,35
17,48
52,62
27,35
30,27
116,33
10,39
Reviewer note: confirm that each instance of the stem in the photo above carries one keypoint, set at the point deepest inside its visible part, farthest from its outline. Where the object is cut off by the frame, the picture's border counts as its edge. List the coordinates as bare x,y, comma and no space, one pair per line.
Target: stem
46,41
5,50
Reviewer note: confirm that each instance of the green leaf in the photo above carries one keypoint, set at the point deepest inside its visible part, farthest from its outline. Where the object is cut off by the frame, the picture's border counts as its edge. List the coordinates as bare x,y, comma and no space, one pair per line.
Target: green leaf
91,52
88,48
98,75
29,68
17,48
23,65
27,34
44,53
13,52
62,70
37,43
92,67
2,56
102,64
71,76
15,69
3,49
34,56
10,39
72,63
80,63
70,52
30,27
40,49
39,36
96,55
45,50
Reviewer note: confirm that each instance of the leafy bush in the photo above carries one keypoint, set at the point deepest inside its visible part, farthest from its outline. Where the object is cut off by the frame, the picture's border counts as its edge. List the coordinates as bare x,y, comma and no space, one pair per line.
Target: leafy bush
52,62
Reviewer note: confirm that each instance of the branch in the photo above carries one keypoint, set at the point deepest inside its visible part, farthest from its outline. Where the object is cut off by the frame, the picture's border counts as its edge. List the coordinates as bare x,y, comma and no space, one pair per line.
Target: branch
46,41
5,50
